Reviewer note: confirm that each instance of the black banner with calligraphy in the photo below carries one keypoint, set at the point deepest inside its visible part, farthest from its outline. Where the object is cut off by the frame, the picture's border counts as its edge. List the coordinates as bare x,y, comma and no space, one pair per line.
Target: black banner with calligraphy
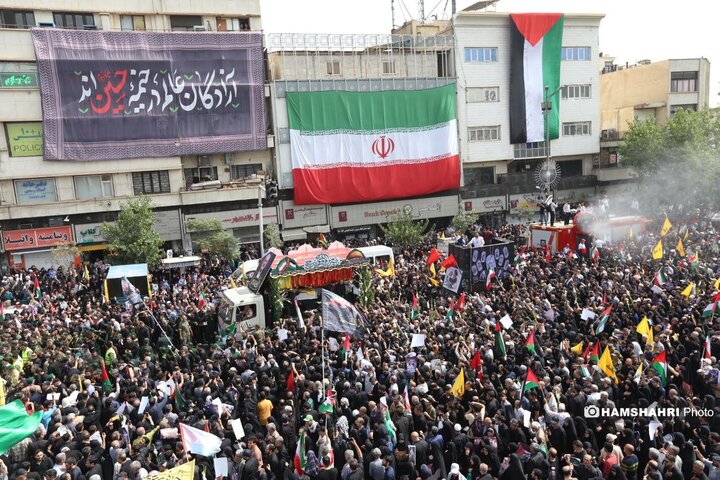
114,95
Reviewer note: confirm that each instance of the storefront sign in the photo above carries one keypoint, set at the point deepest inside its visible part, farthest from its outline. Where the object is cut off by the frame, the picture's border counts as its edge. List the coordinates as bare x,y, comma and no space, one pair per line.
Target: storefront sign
16,80
526,202
374,213
486,204
25,139
36,238
89,233
298,216
38,190
239,218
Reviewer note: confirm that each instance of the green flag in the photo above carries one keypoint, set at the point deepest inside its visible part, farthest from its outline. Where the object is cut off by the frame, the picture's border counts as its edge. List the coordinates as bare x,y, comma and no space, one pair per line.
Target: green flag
16,425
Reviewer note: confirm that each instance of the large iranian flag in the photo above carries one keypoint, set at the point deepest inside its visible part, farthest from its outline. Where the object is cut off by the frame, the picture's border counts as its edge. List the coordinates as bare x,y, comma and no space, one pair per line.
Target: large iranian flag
536,45
365,146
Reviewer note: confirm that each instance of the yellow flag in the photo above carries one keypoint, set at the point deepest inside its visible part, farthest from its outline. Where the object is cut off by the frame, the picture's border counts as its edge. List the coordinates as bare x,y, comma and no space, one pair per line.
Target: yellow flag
86,274
2,392
638,373
387,273
433,273
688,290
657,251
442,235
435,282
232,283
186,471
578,348
606,365
644,328
680,248
717,284
458,388
666,227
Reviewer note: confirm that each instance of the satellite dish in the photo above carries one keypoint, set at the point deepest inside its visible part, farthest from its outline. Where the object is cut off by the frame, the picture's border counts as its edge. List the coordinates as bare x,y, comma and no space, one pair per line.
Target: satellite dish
547,175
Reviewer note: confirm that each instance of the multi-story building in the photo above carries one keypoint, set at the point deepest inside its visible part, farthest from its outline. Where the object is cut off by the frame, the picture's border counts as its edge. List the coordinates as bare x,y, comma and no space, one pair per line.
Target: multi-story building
70,199
498,175
644,91
357,63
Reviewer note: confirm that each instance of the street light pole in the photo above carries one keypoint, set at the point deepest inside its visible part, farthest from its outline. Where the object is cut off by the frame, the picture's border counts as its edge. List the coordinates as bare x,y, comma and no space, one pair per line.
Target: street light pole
546,108
261,189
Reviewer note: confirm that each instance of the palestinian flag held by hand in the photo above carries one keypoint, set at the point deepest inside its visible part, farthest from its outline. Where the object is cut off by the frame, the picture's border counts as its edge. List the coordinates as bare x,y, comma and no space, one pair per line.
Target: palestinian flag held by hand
535,54
531,381
36,287
323,241
530,342
592,352
711,308
659,364
603,320
327,405
107,385
415,312
500,349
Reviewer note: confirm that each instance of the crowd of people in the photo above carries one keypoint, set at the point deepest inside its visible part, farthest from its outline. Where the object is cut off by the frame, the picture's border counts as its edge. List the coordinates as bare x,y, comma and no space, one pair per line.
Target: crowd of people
374,406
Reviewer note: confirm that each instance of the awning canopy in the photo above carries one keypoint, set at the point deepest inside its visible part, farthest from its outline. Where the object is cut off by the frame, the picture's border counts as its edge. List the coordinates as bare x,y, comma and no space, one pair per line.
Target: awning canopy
134,270
293,234
181,262
93,248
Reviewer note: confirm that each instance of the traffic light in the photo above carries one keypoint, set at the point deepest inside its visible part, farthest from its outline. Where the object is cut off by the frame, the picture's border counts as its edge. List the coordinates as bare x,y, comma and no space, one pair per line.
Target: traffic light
271,192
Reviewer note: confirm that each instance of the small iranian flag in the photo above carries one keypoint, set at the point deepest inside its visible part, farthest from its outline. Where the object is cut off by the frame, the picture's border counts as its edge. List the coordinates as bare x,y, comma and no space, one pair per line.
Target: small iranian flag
490,278
530,342
603,320
201,301
535,53
531,381
300,460
415,312
660,278
659,363
706,350
595,253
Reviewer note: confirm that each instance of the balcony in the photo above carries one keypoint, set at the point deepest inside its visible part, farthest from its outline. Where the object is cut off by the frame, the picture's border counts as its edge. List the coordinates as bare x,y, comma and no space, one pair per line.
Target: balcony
225,193
617,174
513,184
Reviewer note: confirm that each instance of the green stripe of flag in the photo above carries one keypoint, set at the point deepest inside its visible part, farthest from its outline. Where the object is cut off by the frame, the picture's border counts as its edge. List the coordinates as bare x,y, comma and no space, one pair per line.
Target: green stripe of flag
552,50
370,111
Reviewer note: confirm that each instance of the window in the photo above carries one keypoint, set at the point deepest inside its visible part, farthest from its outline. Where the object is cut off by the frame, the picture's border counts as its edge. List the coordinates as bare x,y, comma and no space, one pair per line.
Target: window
481,54
37,190
484,134
674,108
185,23
238,172
16,19
575,91
232,24
683,82
388,67
128,23
571,168
151,182
333,67
73,20
93,186
529,150
576,128
200,174
575,54
482,94
479,176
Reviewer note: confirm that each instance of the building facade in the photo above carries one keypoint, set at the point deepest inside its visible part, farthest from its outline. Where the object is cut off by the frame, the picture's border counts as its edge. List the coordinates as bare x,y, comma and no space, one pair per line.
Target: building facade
356,63
68,200
647,91
498,175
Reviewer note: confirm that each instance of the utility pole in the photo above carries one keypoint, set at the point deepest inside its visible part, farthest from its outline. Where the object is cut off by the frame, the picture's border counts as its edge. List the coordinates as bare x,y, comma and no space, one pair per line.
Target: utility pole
421,10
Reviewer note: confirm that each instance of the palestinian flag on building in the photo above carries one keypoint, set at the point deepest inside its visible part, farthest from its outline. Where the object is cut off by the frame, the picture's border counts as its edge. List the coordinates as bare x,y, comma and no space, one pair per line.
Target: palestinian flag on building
363,146
603,320
535,49
531,381
659,363
530,342
500,350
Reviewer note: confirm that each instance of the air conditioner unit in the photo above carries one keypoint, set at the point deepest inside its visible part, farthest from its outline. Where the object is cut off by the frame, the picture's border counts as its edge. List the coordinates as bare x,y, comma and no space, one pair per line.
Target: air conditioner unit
612,134
90,27
604,135
46,24
199,28
229,157
204,161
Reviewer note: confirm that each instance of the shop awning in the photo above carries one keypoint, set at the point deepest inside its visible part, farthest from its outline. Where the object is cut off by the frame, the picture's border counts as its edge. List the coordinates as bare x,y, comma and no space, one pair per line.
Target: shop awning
93,248
181,262
293,234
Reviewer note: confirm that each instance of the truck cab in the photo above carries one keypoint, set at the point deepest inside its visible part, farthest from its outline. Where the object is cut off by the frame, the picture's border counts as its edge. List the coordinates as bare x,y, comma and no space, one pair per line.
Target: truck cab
243,308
